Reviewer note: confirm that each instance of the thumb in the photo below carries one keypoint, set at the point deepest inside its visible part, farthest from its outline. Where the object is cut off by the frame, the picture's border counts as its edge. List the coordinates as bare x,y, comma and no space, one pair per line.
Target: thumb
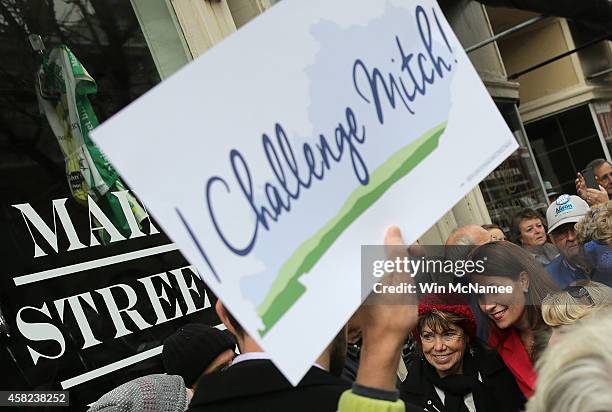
393,236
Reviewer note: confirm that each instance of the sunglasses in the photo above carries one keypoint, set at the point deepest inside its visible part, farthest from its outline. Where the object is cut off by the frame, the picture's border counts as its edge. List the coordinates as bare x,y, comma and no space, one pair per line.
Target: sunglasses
581,294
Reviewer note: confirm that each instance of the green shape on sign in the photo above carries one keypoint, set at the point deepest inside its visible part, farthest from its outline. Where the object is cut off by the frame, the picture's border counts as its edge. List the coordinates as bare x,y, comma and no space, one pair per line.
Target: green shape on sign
287,289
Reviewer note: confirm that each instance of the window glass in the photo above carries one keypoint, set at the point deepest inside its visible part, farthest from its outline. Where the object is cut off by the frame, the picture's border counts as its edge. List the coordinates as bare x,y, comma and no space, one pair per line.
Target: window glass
514,184
582,152
544,135
557,168
563,144
577,125
74,299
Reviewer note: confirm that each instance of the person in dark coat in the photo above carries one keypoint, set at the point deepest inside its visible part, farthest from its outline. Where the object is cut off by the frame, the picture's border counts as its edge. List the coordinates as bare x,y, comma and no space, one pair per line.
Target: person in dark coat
253,383
257,385
455,372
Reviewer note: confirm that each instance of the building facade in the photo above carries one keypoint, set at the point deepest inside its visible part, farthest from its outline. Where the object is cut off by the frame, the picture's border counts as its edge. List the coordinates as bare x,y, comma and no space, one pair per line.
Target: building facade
80,314
565,104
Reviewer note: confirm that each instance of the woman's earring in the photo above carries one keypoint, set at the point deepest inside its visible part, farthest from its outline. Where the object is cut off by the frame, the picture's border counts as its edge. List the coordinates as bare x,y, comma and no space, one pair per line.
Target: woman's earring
525,290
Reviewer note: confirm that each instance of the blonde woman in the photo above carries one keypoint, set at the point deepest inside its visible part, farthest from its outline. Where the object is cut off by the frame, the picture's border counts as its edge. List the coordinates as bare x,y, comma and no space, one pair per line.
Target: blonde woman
562,310
594,231
575,376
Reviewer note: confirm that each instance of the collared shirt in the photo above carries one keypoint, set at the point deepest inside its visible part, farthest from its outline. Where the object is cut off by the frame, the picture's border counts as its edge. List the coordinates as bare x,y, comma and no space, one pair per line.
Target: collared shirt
250,356
511,349
259,356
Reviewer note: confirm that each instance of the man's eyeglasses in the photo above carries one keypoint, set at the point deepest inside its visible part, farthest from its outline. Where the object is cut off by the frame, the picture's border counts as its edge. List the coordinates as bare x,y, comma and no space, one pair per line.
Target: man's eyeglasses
563,231
581,294
607,176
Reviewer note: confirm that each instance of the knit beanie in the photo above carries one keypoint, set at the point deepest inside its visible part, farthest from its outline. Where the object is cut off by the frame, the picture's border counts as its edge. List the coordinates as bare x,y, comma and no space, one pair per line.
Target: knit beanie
151,393
189,350
448,302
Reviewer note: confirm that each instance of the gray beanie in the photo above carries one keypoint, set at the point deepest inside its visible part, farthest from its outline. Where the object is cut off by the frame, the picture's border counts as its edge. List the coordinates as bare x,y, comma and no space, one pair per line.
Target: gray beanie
151,393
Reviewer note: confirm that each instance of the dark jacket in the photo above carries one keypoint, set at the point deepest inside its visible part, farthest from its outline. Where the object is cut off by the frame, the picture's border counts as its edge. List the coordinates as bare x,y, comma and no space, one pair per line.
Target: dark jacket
351,364
257,385
498,385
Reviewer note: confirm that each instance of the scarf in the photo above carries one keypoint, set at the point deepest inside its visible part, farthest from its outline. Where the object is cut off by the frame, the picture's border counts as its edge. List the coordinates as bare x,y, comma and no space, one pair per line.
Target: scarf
456,387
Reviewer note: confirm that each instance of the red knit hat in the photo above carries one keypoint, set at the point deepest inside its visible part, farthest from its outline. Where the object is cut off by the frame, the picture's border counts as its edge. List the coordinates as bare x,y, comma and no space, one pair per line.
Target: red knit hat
448,302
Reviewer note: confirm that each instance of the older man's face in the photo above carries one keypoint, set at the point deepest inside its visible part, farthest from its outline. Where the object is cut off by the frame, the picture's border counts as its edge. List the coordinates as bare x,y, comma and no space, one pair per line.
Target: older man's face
564,238
603,176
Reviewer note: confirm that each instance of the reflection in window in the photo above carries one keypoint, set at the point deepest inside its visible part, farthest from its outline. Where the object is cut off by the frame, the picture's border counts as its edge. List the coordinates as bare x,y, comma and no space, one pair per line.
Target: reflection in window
105,37
513,185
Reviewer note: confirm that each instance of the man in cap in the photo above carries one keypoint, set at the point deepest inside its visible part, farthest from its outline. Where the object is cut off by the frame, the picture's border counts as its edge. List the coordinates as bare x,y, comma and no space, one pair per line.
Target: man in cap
196,349
562,215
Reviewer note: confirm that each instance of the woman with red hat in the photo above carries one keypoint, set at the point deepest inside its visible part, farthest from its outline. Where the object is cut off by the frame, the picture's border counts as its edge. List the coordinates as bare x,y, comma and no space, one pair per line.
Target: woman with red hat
518,331
455,372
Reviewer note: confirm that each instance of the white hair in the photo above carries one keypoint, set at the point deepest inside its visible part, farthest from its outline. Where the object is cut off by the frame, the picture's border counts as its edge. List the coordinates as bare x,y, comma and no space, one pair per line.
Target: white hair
575,375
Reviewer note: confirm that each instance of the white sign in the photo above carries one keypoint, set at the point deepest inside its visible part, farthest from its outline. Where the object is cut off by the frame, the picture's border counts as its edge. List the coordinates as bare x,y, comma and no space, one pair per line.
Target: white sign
271,159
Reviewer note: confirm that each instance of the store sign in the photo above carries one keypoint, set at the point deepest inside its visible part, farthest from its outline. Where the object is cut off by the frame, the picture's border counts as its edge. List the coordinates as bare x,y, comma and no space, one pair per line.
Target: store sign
79,298
271,159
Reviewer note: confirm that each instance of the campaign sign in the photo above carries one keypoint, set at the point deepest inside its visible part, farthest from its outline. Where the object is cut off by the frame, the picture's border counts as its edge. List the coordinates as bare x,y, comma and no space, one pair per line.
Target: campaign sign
271,159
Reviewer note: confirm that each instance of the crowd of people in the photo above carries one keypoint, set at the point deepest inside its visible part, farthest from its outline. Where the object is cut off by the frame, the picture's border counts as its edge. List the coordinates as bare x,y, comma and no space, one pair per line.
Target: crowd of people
543,347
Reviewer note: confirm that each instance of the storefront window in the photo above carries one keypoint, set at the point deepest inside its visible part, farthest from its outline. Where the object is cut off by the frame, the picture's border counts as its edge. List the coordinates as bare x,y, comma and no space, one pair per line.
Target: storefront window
81,308
563,145
515,184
